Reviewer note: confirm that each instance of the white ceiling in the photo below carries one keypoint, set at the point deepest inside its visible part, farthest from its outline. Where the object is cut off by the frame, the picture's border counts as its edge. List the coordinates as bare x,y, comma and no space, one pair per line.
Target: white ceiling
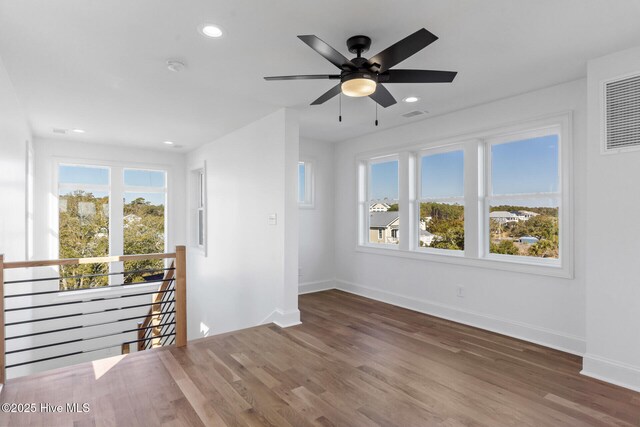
100,65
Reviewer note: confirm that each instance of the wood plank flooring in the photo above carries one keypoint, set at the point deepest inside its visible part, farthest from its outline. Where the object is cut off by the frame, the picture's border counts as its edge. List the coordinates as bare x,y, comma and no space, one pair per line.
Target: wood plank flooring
352,362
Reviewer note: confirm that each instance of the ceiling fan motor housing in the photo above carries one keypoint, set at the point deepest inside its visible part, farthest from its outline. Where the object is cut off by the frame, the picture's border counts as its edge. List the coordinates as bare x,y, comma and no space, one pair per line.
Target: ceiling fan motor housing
358,44
350,75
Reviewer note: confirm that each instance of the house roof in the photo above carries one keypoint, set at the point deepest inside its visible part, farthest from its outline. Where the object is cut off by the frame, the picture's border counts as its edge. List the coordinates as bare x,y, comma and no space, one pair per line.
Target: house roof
426,233
382,219
502,214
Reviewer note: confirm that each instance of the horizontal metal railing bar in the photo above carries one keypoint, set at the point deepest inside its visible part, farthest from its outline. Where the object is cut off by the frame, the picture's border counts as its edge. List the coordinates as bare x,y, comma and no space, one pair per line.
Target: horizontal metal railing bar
56,304
93,260
122,285
83,314
64,355
78,276
80,340
71,328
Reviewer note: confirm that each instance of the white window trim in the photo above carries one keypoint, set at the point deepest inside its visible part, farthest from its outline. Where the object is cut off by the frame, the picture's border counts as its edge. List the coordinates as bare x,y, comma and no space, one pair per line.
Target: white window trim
365,202
309,183
195,173
116,181
476,220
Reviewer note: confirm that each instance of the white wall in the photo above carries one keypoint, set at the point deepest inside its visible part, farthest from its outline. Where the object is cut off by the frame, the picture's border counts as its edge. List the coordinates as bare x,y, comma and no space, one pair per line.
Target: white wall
15,137
613,270
316,240
542,309
249,275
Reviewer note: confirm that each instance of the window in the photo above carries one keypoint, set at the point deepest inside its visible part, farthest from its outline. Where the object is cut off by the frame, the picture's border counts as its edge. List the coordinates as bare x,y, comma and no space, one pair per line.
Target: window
498,199
441,223
143,220
305,184
93,222
524,196
83,231
382,202
200,208
198,204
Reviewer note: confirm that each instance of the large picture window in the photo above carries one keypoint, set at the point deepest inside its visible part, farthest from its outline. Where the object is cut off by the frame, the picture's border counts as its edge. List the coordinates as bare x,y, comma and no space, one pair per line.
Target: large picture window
105,210
524,195
497,198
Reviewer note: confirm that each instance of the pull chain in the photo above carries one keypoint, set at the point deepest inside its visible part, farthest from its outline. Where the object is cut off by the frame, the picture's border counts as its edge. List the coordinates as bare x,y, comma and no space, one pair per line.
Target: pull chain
376,114
340,114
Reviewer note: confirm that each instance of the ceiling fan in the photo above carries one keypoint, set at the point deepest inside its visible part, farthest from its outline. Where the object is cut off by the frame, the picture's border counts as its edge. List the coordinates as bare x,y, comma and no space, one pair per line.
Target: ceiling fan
364,77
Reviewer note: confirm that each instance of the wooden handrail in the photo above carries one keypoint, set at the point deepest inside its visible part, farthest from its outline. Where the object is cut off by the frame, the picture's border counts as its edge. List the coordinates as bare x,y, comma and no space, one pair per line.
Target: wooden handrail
94,260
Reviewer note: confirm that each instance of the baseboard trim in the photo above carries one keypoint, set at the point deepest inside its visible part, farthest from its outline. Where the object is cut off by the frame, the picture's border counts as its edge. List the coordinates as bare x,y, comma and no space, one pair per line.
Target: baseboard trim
545,337
285,319
317,286
611,371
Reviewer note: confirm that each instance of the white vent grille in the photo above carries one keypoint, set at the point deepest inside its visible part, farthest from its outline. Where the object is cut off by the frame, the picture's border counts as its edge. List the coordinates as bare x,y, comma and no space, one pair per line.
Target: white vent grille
622,114
412,113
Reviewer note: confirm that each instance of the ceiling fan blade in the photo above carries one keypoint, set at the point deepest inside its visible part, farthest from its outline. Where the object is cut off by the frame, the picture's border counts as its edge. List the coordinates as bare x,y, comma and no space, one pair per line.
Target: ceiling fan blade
304,77
328,95
382,96
332,55
403,49
417,76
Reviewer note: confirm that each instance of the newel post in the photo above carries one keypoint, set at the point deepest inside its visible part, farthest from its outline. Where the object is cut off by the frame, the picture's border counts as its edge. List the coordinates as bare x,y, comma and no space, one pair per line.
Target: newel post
2,331
181,296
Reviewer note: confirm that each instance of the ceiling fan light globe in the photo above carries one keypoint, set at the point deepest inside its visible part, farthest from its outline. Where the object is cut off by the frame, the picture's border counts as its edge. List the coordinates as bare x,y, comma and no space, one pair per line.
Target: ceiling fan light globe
358,87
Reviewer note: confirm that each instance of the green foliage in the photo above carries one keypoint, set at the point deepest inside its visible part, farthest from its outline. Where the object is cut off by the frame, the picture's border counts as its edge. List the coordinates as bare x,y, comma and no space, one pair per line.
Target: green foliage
446,223
542,227
84,232
393,208
504,247
545,249
553,212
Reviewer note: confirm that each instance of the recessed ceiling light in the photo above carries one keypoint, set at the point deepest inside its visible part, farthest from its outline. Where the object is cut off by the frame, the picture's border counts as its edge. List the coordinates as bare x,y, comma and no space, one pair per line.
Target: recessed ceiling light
211,30
411,99
78,130
169,142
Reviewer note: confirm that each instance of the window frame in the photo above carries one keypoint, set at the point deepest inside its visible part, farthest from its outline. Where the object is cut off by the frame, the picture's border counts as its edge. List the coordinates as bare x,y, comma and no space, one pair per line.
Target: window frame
116,191
309,184
476,202
366,201
419,200
490,197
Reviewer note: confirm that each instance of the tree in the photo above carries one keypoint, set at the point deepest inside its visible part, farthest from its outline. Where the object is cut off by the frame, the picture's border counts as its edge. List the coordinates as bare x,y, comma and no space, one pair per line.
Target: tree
504,247
544,249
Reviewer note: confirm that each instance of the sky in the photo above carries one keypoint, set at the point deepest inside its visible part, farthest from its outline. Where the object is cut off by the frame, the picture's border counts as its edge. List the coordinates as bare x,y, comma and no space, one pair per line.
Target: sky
518,167
100,176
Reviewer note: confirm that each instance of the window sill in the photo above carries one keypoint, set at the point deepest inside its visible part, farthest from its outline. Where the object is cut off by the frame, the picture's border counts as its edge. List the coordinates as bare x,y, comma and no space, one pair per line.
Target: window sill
306,206
537,267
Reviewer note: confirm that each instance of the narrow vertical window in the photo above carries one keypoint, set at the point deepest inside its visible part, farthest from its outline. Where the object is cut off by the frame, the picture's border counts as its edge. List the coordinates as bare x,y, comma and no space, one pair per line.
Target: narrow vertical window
441,223
83,223
524,198
384,220
200,208
305,184
144,216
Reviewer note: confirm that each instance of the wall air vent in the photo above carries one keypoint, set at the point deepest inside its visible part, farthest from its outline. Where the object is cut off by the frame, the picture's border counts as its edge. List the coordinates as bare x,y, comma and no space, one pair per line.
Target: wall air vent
622,114
412,114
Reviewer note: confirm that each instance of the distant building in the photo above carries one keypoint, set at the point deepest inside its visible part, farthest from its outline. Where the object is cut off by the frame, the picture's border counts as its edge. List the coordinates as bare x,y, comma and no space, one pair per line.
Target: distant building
504,217
526,215
426,237
383,227
379,207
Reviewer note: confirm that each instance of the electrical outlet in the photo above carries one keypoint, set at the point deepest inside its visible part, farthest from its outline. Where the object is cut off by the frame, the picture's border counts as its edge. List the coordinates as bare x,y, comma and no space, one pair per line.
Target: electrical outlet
460,292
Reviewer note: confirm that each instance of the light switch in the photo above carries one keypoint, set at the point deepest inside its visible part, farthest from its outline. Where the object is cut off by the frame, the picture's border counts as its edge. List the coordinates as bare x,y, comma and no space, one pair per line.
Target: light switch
272,219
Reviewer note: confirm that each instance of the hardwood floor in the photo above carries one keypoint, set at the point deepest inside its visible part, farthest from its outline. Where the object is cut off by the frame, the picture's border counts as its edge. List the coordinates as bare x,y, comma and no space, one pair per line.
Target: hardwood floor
353,362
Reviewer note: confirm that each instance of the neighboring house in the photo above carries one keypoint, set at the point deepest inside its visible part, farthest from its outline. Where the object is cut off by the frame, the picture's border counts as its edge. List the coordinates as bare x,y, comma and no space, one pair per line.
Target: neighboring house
379,207
526,215
383,227
426,238
503,217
